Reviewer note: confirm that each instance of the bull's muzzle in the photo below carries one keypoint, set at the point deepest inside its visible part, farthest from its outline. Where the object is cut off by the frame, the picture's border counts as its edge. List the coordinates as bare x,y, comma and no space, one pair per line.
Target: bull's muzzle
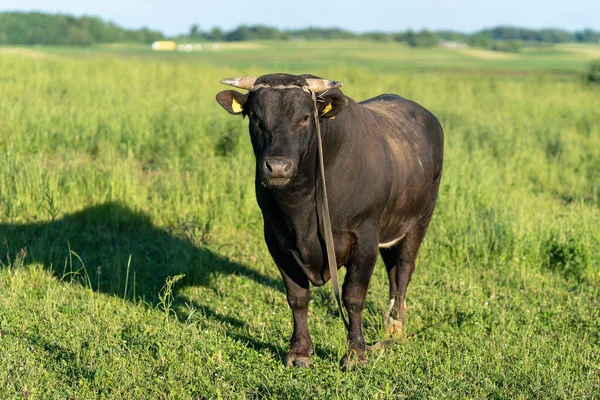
278,171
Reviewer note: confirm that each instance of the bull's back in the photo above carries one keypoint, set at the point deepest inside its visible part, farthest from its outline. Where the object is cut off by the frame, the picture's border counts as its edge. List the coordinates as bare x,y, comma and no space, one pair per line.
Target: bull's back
412,141
409,121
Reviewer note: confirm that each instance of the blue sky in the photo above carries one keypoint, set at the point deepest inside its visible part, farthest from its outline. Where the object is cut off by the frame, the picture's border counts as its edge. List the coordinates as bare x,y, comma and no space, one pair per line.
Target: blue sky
176,16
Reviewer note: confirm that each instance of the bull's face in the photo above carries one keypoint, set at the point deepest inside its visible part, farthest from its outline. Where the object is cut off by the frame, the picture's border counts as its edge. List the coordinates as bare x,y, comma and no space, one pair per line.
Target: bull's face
282,122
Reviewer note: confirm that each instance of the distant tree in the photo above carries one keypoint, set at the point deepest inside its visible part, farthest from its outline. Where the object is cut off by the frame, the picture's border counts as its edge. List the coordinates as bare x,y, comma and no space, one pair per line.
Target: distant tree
452,36
409,36
514,46
315,33
423,38
480,39
146,35
376,36
216,34
256,32
194,31
587,36
97,29
506,33
28,28
511,46
78,36
555,36
399,36
549,35
239,34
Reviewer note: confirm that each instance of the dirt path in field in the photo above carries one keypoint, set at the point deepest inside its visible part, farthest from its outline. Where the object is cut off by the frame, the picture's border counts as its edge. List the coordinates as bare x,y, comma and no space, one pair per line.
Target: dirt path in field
23,51
592,52
237,46
486,54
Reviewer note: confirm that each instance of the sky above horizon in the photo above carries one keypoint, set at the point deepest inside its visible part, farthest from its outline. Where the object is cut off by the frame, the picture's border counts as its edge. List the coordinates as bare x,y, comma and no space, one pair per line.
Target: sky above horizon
176,16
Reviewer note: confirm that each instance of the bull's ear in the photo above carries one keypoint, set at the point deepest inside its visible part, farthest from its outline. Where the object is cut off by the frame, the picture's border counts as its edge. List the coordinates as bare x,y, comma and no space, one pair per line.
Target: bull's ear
232,101
334,103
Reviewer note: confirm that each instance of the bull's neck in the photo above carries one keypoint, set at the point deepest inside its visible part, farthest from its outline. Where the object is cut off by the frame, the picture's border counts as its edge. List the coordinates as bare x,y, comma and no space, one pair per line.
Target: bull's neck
291,209
297,196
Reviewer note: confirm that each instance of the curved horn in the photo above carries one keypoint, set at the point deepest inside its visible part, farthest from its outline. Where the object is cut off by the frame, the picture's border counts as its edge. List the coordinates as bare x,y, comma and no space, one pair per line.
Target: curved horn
321,85
242,82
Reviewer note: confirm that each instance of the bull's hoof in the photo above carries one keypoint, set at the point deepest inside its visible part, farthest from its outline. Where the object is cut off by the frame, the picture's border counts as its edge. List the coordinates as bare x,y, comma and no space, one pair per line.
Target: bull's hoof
302,363
296,360
353,359
394,327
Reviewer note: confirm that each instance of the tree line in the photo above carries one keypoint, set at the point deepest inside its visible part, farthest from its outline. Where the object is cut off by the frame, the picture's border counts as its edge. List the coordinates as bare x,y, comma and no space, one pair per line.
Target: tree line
415,38
30,28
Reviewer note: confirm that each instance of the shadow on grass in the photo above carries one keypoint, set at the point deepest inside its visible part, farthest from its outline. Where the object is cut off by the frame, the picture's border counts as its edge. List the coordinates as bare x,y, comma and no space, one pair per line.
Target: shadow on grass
123,252
233,333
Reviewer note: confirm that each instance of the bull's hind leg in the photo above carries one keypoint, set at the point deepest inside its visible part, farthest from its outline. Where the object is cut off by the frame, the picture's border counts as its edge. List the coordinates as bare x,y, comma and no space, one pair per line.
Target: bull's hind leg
400,264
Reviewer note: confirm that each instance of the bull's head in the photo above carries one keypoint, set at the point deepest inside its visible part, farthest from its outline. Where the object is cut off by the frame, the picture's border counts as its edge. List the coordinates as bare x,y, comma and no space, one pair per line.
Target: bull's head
282,125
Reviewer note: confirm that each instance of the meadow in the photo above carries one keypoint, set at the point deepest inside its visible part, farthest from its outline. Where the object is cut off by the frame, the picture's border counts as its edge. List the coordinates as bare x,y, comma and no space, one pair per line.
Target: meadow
132,257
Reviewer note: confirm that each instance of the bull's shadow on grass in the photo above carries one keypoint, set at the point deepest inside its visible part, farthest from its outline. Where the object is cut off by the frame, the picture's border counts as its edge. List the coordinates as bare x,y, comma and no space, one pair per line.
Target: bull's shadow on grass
124,254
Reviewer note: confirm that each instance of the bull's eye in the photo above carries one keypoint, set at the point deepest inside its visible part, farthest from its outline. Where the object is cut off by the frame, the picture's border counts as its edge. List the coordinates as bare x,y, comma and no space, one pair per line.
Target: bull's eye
304,119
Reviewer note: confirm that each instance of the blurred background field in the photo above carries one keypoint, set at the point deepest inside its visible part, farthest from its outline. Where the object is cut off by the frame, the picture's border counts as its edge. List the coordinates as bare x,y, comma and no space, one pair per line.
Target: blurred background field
118,170
559,59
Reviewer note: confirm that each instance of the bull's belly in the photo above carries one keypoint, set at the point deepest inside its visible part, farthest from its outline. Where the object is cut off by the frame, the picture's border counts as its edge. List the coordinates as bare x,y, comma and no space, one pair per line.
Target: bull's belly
395,230
391,243
405,210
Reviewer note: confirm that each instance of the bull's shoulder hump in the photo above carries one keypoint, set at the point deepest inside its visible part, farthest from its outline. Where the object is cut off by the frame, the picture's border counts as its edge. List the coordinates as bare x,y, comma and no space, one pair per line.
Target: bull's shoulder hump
391,101
386,97
392,106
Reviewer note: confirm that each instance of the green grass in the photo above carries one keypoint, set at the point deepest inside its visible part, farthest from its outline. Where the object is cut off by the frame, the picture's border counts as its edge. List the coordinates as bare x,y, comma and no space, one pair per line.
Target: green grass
119,170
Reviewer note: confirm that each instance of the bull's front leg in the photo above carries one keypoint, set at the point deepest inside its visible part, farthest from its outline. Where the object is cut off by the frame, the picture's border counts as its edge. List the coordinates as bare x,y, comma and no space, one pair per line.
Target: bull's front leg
296,287
354,294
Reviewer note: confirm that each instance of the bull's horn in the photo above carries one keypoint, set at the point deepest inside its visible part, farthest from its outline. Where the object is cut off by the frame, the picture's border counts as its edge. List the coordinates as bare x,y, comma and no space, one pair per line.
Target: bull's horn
321,85
242,82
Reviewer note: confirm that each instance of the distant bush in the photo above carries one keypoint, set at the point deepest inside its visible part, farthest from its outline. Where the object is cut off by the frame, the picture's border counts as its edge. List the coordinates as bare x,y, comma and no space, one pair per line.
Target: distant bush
567,257
256,32
316,33
511,46
593,73
479,40
376,36
423,38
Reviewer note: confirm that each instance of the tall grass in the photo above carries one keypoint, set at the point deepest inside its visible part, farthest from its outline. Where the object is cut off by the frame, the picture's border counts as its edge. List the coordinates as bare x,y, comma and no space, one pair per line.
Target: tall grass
134,167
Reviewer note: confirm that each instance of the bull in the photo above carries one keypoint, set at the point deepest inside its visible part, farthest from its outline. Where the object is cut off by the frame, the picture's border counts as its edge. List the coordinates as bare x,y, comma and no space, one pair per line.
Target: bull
383,161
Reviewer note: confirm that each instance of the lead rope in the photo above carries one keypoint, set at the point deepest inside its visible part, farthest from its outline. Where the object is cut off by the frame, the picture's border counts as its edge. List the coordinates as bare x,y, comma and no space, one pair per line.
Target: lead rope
329,245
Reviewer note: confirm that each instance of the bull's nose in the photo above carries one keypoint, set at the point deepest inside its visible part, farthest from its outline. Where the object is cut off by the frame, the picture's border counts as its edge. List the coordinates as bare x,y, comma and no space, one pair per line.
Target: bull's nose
278,167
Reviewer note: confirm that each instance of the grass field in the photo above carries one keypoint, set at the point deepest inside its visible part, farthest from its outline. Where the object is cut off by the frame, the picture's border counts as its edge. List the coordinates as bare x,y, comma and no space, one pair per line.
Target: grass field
119,173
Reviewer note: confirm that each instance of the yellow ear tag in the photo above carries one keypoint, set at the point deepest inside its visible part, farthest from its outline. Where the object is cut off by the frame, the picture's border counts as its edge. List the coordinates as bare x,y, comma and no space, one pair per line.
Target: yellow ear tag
235,106
327,109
